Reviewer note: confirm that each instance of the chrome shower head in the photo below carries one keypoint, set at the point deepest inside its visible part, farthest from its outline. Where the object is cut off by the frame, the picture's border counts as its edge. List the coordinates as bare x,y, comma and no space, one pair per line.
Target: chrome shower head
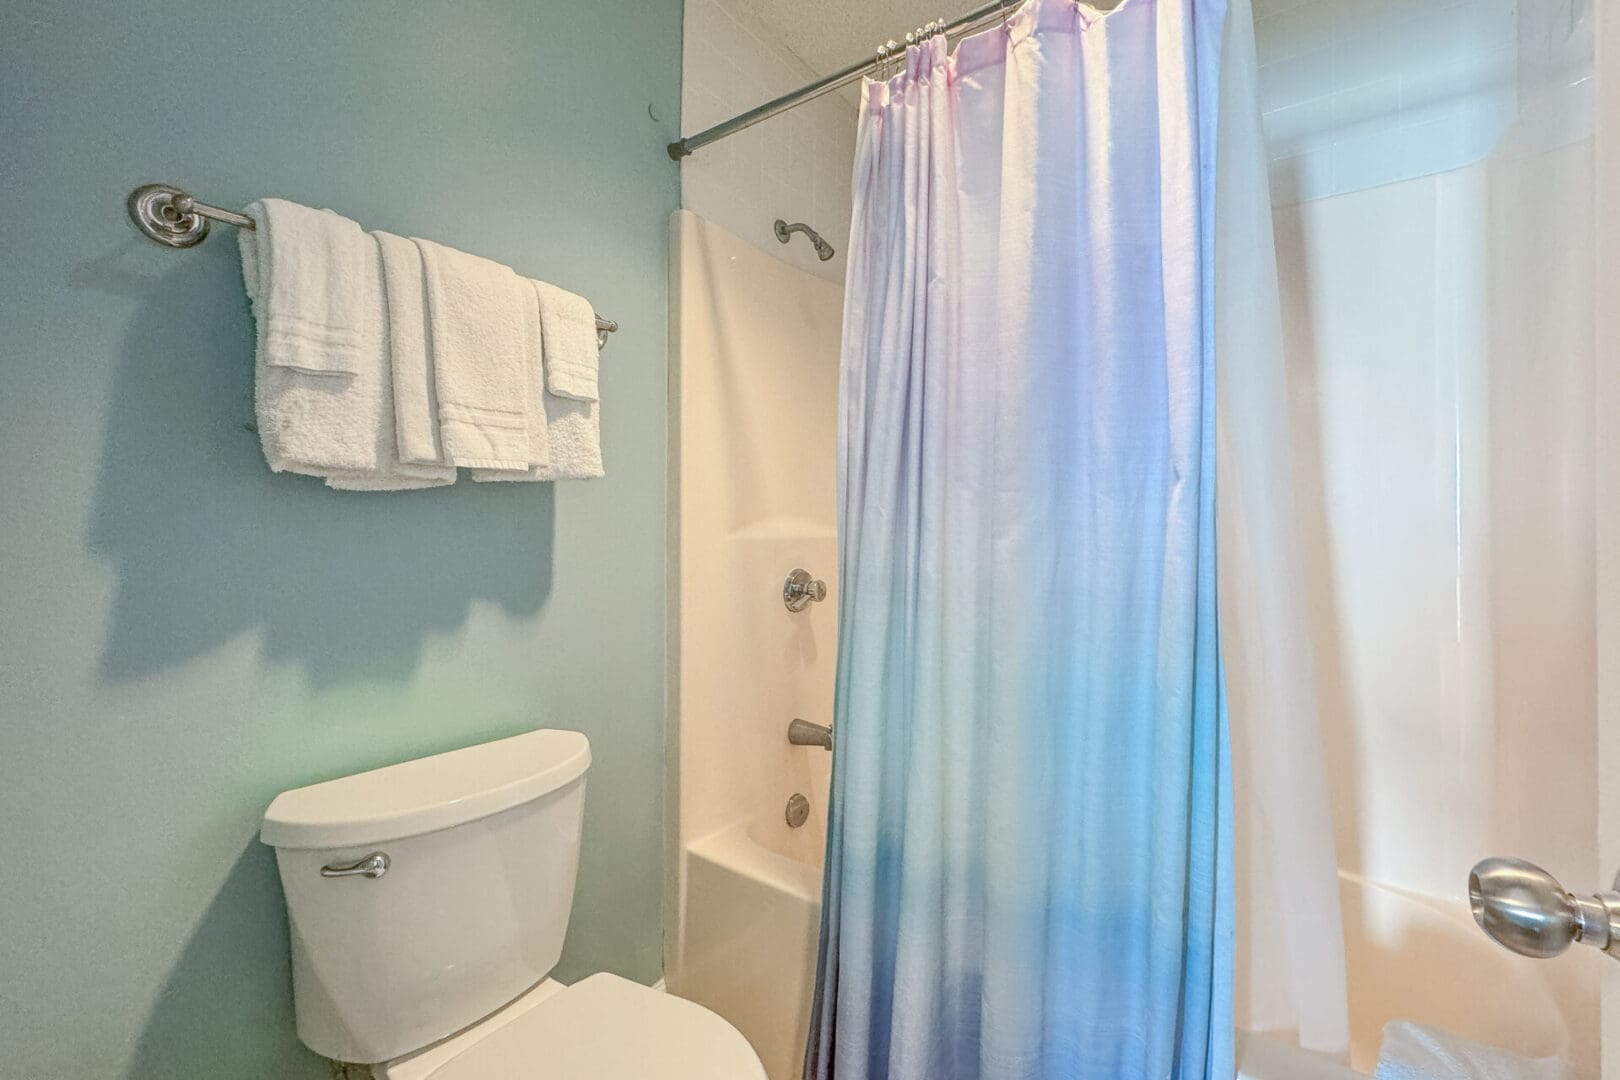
1524,909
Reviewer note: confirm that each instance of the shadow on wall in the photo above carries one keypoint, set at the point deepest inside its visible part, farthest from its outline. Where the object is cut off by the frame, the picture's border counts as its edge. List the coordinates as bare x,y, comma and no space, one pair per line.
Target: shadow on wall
208,1020
207,543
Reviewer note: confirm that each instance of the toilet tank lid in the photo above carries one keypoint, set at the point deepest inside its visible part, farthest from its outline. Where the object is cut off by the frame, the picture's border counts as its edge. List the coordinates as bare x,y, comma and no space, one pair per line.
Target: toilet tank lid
428,794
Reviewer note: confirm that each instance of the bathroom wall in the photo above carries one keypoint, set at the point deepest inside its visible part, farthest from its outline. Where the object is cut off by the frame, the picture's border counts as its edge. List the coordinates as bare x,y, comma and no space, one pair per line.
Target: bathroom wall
185,634
795,166
1440,345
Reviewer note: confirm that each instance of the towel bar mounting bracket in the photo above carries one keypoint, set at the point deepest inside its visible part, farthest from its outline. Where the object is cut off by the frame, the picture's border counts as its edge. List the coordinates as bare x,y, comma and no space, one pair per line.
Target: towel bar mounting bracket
173,218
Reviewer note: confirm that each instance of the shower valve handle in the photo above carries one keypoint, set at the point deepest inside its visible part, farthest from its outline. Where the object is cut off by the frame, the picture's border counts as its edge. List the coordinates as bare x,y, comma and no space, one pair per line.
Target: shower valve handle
801,590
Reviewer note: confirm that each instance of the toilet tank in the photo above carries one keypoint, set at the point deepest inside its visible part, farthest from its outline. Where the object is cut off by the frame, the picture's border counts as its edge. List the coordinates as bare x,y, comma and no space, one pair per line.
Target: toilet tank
481,848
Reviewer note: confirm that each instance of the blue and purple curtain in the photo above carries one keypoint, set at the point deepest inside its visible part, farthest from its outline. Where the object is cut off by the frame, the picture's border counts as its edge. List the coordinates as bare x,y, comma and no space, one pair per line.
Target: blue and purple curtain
1029,857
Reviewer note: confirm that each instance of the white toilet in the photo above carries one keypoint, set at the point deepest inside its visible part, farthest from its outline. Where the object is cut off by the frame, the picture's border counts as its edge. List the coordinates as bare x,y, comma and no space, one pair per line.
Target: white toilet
428,903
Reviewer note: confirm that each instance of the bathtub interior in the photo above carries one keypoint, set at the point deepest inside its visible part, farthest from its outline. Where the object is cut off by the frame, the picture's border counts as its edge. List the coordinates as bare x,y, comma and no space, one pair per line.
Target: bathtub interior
1411,956
804,844
1420,958
1269,1057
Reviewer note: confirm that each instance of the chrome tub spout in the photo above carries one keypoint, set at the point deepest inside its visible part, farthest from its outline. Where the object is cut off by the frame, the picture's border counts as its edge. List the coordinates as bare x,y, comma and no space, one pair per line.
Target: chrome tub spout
804,733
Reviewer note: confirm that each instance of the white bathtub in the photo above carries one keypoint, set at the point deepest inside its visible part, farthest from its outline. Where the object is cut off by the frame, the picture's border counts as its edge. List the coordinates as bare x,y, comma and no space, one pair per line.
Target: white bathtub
1417,957
1263,1058
755,907
753,920
1410,956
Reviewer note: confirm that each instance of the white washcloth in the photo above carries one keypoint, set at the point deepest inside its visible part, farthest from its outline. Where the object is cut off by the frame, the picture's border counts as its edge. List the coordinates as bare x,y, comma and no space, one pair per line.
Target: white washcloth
305,404
477,322
1415,1052
302,267
568,328
416,411
573,426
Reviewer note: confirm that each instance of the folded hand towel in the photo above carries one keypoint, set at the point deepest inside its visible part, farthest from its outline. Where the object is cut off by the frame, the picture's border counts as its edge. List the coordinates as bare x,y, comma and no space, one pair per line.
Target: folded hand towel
477,322
390,473
573,426
568,329
1415,1052
534,411
302,267
416,412
305,403
568,342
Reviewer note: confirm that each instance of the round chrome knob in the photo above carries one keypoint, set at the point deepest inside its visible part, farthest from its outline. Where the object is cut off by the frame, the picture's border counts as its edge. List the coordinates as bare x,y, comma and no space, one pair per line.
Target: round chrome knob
1523,907
798,810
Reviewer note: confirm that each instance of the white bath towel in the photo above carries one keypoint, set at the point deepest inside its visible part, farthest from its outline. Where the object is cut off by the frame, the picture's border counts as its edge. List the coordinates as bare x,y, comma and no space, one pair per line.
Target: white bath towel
339,426
568,329
477,321
573,425
1415,1052
304,271
416,413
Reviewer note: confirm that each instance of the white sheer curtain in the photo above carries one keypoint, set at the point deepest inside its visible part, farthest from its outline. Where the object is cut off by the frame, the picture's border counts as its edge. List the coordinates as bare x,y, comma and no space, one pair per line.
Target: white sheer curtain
1290,949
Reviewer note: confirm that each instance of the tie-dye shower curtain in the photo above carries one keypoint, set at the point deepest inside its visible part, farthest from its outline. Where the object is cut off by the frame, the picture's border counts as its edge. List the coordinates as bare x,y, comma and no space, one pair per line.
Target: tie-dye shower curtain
1029,865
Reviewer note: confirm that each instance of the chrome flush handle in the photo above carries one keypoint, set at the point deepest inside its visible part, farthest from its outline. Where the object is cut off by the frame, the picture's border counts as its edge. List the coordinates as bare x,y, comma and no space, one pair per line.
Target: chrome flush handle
374,865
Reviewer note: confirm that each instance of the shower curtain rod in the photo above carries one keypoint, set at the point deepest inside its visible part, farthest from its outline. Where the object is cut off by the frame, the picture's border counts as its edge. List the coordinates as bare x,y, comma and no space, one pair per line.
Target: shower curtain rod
974,20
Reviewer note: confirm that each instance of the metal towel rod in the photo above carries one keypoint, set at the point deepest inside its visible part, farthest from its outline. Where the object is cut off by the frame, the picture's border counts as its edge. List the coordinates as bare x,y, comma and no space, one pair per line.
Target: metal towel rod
173,218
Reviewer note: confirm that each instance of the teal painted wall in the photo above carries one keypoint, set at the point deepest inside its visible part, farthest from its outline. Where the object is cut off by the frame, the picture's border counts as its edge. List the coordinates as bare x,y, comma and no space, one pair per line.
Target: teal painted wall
183,634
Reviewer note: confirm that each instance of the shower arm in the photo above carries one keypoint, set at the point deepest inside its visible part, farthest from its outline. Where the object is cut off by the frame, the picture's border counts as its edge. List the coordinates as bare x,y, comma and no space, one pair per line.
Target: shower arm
784,233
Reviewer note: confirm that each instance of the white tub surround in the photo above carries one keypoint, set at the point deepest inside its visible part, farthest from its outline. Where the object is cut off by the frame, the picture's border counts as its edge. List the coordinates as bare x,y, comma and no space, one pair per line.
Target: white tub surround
754,389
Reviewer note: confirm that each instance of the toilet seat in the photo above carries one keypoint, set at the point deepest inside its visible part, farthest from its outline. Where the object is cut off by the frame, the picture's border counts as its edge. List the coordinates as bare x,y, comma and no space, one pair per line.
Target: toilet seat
608,1028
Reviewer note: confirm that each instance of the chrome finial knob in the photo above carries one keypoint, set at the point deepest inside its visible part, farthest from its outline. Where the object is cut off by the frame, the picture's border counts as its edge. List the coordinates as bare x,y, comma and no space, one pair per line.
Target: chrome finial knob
801,590
1523,908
